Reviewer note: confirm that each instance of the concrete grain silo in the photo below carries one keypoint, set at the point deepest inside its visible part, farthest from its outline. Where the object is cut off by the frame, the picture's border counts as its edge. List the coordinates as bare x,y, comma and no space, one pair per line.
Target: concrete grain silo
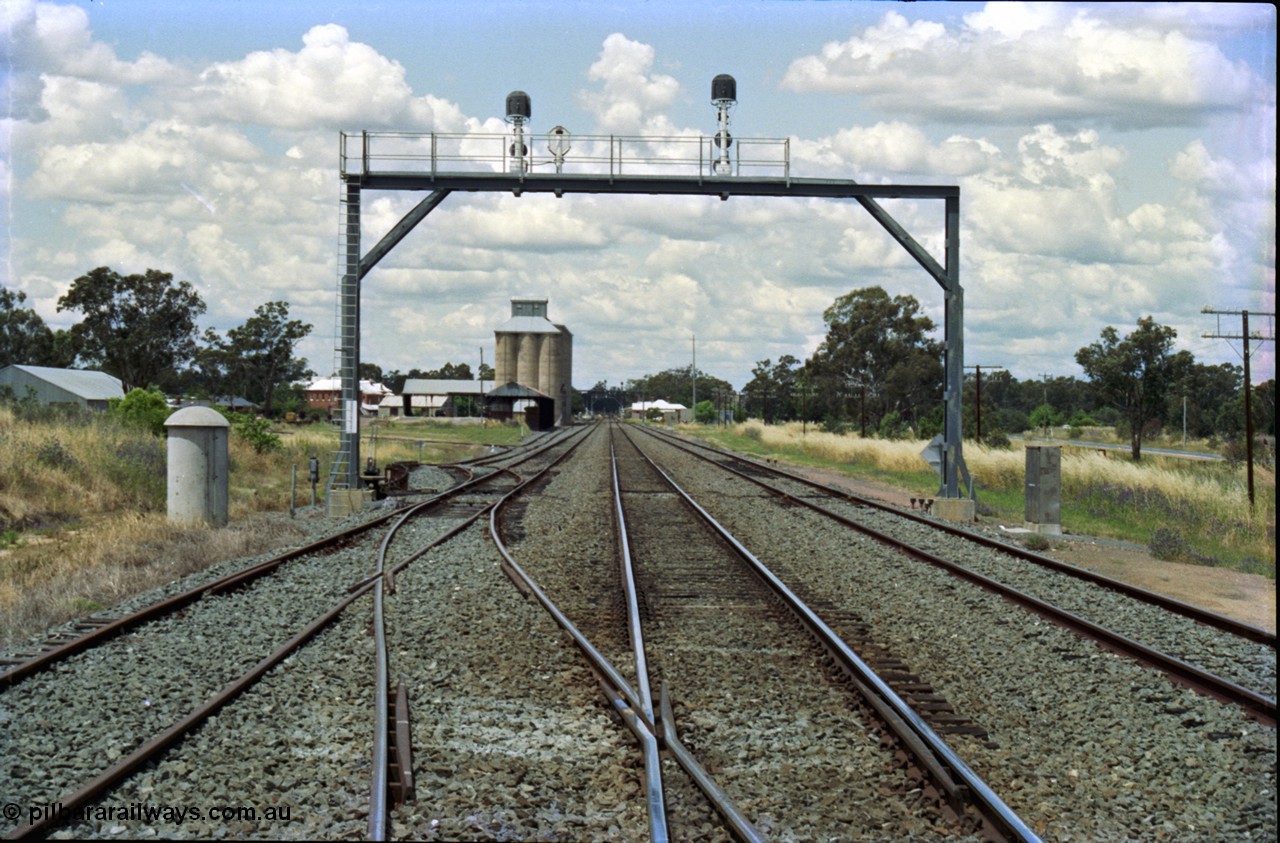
536,354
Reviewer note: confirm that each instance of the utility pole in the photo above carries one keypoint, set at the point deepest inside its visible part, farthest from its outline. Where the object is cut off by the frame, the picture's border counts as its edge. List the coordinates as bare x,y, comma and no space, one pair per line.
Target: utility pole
1045,403
977,398
693,338
1245,339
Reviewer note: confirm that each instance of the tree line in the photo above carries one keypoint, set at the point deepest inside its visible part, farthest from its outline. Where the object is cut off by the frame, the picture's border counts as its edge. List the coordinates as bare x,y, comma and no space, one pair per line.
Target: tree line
879,372
394,379
142,328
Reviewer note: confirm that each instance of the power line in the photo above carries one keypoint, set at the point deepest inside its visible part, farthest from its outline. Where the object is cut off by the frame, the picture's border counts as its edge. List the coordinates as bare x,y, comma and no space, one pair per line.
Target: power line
1246,339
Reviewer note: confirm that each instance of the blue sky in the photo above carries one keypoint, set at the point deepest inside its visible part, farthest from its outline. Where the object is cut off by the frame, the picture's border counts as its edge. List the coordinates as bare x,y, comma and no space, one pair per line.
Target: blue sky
1115,161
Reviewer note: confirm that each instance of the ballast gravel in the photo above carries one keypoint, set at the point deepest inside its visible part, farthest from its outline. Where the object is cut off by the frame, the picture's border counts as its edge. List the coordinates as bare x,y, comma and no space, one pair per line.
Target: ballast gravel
1247,663
511,737
1083,744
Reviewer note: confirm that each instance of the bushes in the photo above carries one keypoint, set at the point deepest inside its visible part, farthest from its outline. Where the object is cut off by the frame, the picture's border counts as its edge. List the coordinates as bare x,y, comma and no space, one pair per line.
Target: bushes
141,408
1168,545
999,439
254,430
53,468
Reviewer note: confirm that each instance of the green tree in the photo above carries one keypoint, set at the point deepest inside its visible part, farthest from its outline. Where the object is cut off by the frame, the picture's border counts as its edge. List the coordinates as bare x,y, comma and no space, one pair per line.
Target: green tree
451,372
704,412
1264,408
140,328
675,386
1134,374
1208,393
877,355
258,355
1045,417
773,391
26,339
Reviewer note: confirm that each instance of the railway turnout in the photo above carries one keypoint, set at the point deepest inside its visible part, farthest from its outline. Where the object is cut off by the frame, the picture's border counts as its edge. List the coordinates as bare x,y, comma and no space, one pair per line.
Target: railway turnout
614,633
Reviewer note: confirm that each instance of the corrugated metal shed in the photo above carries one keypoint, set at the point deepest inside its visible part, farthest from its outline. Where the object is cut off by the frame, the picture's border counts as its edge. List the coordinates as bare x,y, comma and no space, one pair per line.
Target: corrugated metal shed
85,387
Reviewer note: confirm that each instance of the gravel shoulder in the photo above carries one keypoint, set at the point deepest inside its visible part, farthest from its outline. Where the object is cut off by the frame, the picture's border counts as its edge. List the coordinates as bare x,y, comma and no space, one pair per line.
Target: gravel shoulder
1246,597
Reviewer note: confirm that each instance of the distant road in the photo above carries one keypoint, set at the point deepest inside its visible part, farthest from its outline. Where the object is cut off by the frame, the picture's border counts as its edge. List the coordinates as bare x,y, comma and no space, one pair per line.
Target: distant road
1105,446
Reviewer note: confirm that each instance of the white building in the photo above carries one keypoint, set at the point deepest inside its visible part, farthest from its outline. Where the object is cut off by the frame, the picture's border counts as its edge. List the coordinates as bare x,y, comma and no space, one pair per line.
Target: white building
671,413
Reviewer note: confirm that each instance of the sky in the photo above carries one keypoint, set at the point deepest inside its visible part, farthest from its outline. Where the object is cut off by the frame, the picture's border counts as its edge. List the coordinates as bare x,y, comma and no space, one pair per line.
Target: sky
1114,160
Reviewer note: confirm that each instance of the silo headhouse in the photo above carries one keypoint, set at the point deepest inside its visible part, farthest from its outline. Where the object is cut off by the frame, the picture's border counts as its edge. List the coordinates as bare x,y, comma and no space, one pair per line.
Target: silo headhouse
537,354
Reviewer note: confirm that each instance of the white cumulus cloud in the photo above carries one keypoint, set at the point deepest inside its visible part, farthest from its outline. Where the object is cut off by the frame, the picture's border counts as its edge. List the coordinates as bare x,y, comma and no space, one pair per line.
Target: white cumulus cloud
1014,62
631,98
332,81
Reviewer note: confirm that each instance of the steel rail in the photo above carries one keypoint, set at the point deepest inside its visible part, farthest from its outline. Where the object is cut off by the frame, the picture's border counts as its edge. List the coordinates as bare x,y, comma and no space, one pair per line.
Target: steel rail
1257,706
378,788
231,581
172,604
1196,613
739,826
994,811
622,697
145,752
538,445
153,747
652,759
377,828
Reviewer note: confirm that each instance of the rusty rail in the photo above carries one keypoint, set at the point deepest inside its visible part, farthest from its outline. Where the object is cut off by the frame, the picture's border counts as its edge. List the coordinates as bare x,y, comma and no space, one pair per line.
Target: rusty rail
622,698
1261,708
1195,613
944,766
152,748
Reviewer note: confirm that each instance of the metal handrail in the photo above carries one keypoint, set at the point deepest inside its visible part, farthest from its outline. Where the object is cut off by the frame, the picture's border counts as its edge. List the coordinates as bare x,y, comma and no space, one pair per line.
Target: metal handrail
436,152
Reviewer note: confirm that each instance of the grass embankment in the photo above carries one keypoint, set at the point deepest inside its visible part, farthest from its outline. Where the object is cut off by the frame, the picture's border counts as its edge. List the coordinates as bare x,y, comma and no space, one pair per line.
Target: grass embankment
83,499
1190,510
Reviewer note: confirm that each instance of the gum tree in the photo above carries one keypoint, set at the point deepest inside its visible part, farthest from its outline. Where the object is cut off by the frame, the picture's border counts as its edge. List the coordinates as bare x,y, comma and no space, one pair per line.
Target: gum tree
256,357
140,328
1135,374
878,350
26,339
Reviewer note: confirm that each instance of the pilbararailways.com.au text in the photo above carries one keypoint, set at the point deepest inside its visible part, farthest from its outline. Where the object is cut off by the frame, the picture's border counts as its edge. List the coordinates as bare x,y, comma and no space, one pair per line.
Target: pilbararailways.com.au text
143,812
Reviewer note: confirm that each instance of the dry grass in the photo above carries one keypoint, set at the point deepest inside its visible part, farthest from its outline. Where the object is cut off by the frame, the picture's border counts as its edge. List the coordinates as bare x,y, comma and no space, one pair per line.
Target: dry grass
50,579
1004,468
1198,505
83,523
82,510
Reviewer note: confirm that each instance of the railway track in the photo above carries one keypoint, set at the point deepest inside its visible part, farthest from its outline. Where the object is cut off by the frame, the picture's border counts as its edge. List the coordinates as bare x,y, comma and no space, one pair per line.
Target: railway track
1056,709
506,620
763,701
1141,624
157,674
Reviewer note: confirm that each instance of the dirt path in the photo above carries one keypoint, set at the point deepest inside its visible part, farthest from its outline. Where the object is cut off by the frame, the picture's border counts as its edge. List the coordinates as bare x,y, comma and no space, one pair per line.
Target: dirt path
1246,597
